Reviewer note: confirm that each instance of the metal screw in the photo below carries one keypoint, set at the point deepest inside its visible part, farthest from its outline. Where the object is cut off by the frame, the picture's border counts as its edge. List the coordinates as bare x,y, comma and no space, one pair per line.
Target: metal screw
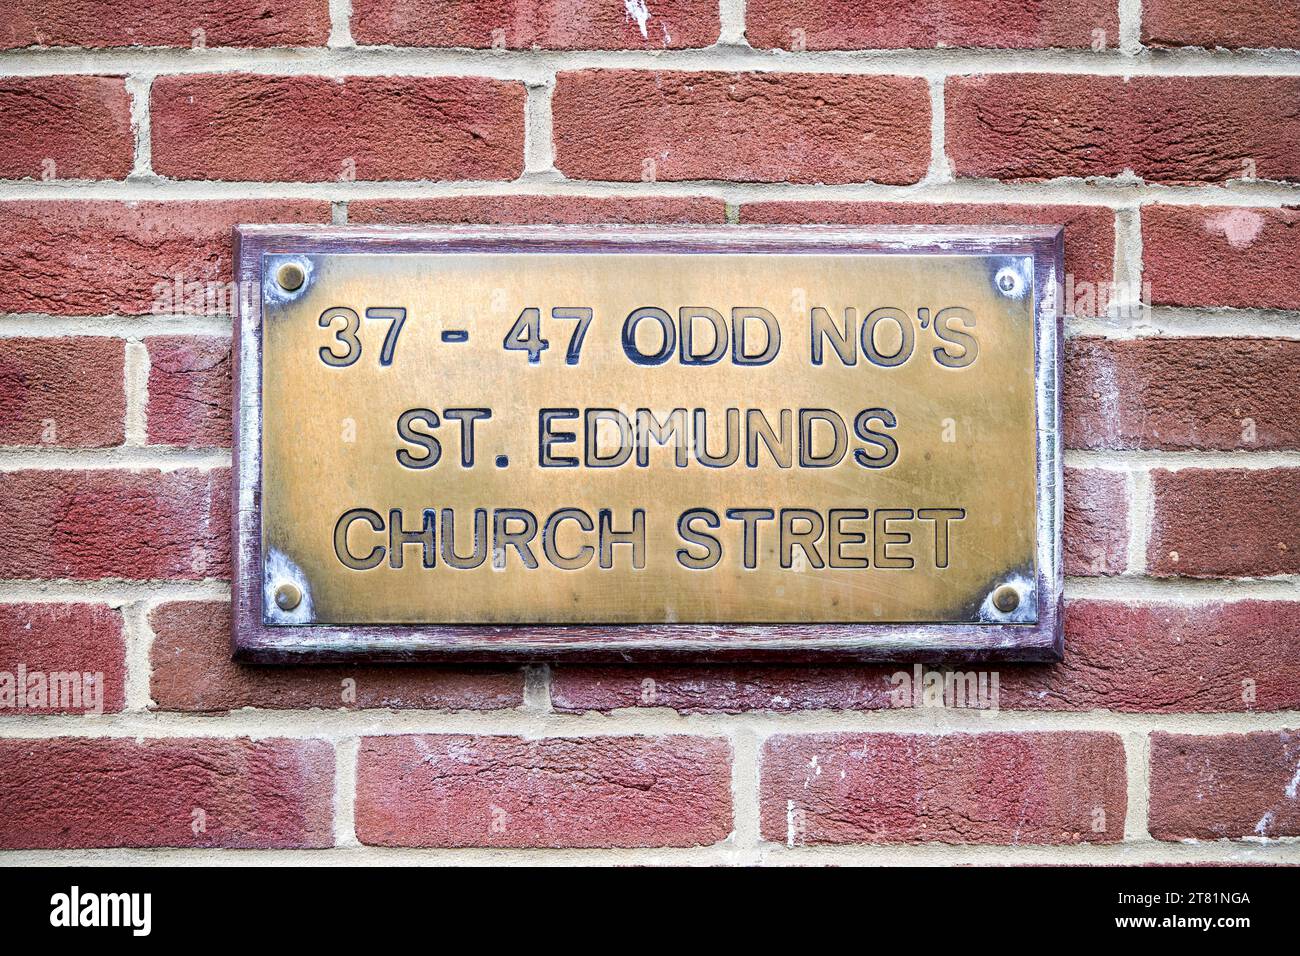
1008,281
287,597
1006,599
290,276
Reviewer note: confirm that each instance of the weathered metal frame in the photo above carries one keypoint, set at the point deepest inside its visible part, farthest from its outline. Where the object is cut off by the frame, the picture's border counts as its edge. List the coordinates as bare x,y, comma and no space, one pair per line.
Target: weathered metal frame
256,641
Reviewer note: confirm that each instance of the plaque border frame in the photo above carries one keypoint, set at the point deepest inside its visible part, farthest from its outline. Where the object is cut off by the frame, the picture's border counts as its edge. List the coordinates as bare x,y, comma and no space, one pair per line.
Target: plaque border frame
259,642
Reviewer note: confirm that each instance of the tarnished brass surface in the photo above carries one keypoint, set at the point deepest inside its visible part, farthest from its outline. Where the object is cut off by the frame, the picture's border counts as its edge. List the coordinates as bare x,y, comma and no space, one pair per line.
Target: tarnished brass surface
965,438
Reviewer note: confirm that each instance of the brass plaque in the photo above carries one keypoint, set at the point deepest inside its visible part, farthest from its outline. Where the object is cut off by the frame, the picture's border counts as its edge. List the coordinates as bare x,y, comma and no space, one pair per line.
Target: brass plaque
649,436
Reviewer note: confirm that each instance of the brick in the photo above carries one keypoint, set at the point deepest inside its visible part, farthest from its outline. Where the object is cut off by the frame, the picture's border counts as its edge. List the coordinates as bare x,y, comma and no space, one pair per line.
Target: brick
1158,658
65,392
1224,523
65,127
1236,257
998,788
91,258
192,671
50,639
631,125
236,793
1182,393
1095,536
452,791
535,24
522,210
1089,232
116,23
723,689
1220,23
1176,130
189,391
115,524
1225,787
900,24
318,129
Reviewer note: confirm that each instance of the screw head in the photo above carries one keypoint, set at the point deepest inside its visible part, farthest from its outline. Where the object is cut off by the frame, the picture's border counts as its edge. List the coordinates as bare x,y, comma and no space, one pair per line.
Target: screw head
1006,599
290,276
287,597
1009,282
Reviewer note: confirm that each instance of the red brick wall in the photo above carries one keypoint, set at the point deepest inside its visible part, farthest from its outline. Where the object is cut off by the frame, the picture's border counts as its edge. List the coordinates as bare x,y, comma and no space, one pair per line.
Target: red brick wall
1164,135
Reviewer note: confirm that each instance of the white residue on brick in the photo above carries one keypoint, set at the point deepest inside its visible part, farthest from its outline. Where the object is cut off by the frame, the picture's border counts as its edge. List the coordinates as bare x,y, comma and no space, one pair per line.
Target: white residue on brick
638,11
814,770
1240,227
